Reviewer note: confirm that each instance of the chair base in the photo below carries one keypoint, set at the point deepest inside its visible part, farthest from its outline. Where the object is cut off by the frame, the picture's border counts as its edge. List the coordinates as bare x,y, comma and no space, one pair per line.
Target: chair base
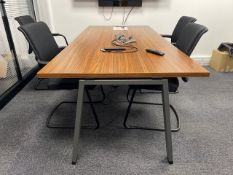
59,126
37,85
146,103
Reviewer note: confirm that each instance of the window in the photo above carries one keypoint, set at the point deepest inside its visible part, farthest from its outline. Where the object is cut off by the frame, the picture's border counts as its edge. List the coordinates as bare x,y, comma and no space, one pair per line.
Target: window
8,73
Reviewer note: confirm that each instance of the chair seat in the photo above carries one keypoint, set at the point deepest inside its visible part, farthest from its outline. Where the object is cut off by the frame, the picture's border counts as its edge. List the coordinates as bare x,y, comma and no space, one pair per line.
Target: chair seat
173,84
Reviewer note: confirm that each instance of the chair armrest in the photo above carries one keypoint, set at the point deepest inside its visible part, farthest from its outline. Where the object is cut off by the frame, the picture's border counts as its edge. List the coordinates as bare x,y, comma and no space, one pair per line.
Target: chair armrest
166,36
58,34
43,63
61,49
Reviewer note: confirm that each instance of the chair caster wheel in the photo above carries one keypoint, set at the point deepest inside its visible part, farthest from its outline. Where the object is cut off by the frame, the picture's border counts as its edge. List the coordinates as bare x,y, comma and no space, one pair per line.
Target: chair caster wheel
74,163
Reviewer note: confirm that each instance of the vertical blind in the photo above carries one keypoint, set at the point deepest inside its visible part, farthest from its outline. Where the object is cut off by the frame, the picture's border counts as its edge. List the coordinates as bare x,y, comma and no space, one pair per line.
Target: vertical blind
19,7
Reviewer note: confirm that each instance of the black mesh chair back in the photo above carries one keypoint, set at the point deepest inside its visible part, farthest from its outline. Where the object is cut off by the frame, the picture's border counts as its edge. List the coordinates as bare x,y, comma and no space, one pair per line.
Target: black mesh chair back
189,37
23,20
180,26
41,40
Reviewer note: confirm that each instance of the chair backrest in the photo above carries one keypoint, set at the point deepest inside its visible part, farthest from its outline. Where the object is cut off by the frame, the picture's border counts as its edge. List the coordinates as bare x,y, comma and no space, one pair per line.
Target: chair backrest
23,20
180,26
189,37
41,40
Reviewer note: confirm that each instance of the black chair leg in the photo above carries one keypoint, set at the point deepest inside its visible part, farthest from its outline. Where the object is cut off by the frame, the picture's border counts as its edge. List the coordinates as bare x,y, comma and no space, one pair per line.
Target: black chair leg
103,96
58,126
37,84
93,109
141,92
103,93
146,103
128,109
127,96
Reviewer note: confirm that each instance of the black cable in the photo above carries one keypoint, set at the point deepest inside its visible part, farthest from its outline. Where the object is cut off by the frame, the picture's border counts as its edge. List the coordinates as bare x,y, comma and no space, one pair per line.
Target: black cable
128,16
123,42
129,48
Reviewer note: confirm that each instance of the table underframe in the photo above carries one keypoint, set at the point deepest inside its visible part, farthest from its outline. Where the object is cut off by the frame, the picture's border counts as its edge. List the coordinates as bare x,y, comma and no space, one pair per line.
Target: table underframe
118,82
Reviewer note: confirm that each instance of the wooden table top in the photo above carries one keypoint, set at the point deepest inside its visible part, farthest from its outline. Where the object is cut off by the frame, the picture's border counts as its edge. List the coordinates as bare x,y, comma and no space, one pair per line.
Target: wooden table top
83,58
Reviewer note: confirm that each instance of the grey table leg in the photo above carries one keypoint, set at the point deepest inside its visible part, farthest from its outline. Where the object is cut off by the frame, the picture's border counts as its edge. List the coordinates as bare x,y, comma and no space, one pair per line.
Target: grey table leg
78,121
167,123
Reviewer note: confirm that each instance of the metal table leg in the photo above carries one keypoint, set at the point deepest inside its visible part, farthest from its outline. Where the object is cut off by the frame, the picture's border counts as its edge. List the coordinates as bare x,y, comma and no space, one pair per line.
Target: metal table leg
167,123
78,121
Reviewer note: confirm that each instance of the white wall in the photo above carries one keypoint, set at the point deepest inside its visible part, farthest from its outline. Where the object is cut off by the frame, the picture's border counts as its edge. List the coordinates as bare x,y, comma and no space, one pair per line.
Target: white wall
70,17
43,11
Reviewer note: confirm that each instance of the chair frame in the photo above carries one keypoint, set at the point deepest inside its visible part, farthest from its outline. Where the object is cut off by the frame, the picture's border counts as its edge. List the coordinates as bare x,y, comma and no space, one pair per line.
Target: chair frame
131,101
53,111
36,86
91,102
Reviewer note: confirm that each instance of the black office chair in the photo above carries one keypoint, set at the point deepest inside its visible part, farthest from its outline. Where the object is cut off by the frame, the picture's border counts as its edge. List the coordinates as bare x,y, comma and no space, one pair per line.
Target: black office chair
186,42
45,48
179,27
26,19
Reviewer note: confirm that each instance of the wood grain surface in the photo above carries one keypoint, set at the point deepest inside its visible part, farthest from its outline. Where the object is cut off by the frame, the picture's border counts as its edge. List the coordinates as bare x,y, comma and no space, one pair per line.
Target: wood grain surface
83,58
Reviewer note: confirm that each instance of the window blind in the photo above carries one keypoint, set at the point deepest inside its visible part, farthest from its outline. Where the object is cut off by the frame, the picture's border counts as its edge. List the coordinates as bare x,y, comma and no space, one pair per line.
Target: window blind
16,8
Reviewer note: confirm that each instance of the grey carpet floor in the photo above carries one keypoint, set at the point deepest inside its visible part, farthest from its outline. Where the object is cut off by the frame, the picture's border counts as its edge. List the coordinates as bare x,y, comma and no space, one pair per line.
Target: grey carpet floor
204,144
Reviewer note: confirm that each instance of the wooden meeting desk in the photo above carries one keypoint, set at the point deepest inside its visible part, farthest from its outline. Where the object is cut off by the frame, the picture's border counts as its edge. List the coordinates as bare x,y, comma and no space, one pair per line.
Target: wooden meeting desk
83,59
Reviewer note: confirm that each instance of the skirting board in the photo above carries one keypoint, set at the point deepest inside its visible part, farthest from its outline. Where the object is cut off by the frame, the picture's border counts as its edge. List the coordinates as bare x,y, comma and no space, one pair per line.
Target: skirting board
203,60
